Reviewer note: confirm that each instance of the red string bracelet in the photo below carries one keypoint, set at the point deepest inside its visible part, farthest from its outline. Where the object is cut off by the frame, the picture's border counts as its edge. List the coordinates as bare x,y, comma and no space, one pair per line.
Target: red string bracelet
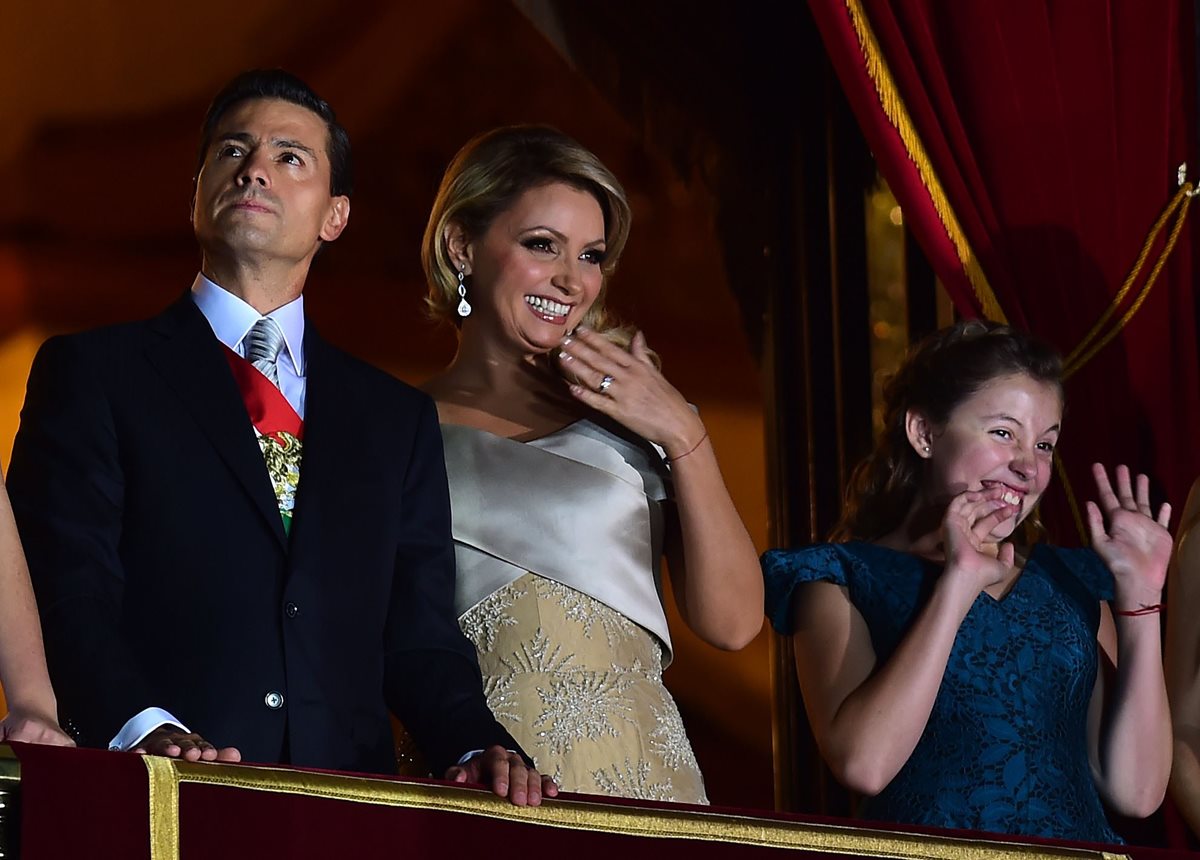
1145,610
690,450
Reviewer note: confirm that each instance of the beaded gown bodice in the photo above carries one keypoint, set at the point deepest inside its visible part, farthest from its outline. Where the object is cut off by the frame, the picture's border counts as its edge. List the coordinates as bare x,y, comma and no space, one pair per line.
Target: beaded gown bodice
558,543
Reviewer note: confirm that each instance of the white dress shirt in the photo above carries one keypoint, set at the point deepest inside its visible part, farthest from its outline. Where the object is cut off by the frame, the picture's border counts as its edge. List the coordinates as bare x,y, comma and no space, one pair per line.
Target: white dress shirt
231,320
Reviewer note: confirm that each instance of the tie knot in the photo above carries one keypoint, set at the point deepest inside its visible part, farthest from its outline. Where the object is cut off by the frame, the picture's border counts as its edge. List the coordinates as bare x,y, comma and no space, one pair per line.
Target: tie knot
263,344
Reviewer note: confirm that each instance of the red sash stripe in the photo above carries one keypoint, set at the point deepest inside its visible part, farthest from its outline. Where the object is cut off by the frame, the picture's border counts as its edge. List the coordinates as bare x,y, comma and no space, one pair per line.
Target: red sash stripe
269,410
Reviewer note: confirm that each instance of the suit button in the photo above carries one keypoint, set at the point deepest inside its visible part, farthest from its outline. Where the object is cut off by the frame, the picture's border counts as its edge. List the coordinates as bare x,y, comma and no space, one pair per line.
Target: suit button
273,700
291,609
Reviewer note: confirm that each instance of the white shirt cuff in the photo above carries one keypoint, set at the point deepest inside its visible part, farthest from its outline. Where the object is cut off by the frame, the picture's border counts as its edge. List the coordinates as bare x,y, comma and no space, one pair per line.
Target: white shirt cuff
468,756
139,726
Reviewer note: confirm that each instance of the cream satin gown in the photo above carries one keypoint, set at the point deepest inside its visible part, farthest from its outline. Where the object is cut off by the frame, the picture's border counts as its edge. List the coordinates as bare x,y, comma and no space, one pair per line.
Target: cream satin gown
558,543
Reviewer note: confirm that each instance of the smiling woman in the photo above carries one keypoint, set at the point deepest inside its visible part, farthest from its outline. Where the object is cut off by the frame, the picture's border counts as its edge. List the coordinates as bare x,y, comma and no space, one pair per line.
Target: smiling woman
537,266
569,480
951,673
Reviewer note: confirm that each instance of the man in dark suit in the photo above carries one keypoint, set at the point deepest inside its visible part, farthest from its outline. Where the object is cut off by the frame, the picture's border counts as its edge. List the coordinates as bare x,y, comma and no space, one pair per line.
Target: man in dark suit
234,525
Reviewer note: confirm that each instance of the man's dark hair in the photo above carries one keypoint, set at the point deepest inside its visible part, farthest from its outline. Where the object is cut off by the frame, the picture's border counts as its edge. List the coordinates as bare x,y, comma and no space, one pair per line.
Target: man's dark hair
278,84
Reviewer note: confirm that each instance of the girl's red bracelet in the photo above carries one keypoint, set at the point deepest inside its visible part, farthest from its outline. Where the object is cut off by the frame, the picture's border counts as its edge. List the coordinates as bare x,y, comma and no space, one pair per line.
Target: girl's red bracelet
1145,610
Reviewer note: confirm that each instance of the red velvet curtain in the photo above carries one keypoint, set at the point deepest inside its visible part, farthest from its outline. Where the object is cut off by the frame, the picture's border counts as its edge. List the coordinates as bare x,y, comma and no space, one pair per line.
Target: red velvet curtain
1054,130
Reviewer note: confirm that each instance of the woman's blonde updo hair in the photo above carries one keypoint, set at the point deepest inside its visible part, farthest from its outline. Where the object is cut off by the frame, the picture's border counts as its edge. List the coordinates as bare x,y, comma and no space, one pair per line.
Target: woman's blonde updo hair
487,176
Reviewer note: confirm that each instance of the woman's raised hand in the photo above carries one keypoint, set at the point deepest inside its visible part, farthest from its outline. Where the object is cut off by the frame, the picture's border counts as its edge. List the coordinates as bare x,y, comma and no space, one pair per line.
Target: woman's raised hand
626,386
1136,545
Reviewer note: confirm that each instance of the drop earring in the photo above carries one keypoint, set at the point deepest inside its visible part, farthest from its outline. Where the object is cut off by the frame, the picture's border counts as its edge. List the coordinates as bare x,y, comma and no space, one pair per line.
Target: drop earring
464,307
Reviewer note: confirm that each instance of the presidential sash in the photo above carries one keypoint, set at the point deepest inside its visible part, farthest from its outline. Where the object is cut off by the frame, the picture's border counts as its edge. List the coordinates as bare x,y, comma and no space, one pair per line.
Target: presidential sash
280,431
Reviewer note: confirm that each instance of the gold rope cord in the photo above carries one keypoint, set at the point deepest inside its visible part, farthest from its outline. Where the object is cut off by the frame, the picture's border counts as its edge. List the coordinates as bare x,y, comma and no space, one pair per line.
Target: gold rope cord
1085,351
897,114
1096,338
167,774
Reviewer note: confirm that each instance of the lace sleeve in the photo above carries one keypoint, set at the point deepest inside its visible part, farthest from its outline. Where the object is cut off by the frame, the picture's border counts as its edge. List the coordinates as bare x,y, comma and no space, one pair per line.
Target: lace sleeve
784,569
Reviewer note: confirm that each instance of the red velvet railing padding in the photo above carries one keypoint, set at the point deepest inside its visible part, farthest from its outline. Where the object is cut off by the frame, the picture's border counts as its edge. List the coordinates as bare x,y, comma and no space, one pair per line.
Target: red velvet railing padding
78,803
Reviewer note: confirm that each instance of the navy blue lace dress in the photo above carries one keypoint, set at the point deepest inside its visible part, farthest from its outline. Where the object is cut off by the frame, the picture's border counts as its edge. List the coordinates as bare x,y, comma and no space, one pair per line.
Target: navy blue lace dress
1005,749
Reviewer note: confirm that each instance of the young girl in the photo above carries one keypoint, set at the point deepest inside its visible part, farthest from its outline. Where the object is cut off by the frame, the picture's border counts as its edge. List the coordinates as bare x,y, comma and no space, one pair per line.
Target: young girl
949,671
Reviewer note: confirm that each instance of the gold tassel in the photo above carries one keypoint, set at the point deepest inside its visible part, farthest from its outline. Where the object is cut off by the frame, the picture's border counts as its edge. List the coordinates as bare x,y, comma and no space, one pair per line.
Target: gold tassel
897,114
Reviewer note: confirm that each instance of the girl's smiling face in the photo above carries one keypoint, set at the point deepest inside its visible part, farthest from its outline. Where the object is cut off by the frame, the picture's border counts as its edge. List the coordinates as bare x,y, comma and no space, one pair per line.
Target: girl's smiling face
1003,435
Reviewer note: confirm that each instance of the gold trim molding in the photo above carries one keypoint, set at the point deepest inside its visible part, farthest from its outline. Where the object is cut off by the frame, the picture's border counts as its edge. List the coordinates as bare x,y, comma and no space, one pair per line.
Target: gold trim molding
166,775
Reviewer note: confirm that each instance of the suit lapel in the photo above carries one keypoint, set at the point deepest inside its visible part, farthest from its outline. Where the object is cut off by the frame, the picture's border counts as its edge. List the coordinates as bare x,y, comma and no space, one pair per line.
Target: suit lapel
190,359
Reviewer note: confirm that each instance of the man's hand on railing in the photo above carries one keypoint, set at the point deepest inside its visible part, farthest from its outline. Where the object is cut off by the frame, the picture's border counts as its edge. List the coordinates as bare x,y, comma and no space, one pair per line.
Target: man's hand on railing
507,774
174,742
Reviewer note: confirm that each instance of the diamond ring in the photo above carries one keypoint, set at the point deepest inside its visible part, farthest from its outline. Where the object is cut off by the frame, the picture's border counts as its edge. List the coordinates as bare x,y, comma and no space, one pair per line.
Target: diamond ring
604,383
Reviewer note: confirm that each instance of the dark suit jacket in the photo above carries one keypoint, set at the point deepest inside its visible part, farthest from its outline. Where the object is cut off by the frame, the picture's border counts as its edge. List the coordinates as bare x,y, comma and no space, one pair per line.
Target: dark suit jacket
164,576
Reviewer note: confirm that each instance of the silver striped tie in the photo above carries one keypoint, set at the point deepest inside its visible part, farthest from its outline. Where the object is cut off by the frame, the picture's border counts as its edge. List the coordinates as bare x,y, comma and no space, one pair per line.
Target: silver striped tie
263,343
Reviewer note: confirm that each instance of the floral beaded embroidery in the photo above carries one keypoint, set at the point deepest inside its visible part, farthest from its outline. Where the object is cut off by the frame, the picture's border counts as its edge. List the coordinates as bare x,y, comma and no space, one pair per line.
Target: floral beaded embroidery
580,686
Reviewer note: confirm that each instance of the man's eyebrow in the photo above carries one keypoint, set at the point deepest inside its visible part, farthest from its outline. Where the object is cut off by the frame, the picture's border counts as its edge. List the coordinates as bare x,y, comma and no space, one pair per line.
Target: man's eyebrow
239,136
279,143
283,143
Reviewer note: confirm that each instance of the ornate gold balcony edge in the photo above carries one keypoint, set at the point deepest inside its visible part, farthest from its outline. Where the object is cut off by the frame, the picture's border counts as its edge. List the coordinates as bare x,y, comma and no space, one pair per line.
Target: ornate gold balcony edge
166,775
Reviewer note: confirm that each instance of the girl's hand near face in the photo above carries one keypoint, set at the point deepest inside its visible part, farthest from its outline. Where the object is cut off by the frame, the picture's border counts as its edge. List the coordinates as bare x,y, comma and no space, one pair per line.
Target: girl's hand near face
967,525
